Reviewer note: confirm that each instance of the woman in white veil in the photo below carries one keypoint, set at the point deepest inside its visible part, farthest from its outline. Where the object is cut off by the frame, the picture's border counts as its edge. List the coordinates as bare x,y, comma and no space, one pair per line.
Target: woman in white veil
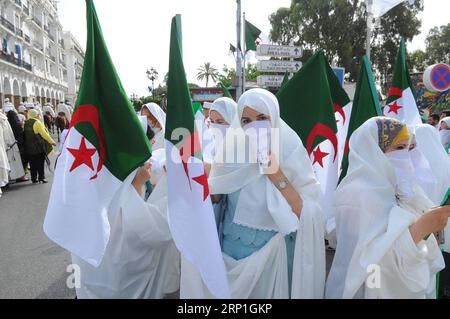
157,120
273,235
384,220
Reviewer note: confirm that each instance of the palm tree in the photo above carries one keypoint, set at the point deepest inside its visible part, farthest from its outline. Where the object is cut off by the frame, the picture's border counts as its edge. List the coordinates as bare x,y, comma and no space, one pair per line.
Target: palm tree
207,71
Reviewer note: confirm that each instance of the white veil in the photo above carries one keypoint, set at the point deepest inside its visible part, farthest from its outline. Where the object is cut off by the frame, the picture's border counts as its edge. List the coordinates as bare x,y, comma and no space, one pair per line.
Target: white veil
368,218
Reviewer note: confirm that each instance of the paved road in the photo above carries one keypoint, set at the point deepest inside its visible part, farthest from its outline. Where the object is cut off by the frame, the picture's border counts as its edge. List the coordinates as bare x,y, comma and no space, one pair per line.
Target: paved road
31,266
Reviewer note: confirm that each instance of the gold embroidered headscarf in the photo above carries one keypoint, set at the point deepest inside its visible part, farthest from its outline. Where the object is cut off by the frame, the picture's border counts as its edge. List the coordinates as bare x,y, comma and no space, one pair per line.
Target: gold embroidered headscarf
390,132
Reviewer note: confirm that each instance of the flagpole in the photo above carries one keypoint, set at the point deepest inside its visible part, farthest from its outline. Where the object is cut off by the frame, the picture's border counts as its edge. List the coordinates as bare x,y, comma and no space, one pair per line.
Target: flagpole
243,57
369,26
239,89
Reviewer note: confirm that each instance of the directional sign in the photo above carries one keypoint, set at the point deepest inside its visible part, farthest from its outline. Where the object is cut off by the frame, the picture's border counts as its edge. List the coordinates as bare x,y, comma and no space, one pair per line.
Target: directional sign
437,77
340,73
279,66
279,51
270,80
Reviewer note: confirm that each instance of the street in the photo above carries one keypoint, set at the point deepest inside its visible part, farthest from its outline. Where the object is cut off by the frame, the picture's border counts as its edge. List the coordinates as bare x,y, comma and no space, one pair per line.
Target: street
31,266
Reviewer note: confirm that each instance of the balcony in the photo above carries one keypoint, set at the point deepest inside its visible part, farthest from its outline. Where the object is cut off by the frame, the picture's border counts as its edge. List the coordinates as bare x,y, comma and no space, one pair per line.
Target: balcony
26,10
38,46
37,21
13,60
78,50
51,37
27,38
63,63
7,24
61,42
18,2
47,29
52,58
19,32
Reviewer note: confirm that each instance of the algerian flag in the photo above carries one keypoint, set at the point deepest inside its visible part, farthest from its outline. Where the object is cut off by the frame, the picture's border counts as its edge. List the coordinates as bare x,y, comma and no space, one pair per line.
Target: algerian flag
252,36
191,216
285,80
401,103
365,106
306,105
105,143
381,7
342,107
226,93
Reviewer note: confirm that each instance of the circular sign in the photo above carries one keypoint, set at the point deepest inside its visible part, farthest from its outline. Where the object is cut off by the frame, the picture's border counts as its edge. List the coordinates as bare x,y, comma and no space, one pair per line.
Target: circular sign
437,77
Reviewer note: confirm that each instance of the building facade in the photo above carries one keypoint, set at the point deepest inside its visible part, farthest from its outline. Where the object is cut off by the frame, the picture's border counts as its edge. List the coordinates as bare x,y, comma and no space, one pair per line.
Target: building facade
39,62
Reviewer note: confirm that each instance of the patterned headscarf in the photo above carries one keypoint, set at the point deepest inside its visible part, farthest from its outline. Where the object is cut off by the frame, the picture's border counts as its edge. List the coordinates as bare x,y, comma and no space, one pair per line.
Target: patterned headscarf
390,131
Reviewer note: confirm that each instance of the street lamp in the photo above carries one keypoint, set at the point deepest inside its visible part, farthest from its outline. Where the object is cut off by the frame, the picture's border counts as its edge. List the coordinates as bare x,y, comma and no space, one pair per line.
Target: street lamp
152,75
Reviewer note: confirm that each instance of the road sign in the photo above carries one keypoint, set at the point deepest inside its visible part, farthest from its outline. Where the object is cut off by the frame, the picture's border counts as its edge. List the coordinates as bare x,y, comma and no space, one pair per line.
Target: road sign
279,66
270,80
340,73
437,77
282,51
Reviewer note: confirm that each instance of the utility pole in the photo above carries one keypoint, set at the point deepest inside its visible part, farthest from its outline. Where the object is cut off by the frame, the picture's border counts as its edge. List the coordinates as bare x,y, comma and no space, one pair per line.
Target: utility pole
369,26
239,71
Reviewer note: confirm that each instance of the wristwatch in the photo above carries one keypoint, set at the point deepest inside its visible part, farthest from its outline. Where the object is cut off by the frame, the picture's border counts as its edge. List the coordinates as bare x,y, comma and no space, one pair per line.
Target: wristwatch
282,184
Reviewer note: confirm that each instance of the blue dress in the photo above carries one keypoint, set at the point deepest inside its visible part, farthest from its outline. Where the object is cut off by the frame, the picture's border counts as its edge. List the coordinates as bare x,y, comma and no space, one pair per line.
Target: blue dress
240,241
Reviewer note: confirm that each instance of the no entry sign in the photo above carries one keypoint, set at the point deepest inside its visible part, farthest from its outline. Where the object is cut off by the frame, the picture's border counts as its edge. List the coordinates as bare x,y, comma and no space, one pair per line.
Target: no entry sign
437,77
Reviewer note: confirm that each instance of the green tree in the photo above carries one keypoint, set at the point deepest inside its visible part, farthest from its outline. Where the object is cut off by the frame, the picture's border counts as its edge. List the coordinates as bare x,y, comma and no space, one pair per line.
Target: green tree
251,72
339,27
283,29
207,71
438,45
226,76
417,61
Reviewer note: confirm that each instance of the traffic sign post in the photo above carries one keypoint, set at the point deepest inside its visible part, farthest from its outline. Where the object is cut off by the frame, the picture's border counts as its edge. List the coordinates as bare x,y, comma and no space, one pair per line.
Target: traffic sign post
270,80
437,77
280,51
340,74
278,66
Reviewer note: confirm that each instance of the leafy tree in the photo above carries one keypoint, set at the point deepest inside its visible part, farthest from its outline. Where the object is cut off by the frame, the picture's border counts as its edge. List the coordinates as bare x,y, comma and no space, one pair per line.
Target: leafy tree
283,29
438,45
417,61
339,27
207,71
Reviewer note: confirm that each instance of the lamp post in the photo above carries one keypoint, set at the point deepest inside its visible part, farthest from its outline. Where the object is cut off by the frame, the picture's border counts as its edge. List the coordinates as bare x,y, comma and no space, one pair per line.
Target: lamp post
152,75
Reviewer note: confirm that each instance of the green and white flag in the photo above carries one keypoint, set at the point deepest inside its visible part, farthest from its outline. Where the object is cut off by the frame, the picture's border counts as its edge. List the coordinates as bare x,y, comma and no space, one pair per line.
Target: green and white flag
401,102
191,216
104,144
365,106
252,36
306,105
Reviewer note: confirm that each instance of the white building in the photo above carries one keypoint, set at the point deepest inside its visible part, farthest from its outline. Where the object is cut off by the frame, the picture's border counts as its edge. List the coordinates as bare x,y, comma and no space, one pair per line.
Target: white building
38,61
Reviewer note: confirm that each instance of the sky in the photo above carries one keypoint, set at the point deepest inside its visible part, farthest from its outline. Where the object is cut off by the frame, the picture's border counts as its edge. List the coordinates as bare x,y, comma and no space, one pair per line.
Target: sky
137,32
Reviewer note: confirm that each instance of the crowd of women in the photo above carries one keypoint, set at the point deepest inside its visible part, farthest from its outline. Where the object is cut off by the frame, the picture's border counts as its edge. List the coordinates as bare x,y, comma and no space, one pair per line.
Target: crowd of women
25,141
390,228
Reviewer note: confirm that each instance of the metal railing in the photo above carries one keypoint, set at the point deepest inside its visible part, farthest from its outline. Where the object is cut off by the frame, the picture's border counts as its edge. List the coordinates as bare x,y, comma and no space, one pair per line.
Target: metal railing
38,46
19,32
12,59
37,21
7,24
27,38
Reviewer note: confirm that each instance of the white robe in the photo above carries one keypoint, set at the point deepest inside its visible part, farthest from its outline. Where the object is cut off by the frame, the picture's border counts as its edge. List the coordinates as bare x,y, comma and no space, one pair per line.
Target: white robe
372,229
15,166
141,260
4,162
264,274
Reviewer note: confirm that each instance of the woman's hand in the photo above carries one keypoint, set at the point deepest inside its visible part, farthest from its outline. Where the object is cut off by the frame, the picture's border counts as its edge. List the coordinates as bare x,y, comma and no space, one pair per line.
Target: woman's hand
142,176
432,221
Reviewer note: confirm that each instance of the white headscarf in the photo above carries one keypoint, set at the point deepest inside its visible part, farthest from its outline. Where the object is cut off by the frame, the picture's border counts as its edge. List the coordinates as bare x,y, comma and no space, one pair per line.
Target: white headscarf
8,106
445,134
274,213
262,206
157,113
207,105
364,203
228,109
